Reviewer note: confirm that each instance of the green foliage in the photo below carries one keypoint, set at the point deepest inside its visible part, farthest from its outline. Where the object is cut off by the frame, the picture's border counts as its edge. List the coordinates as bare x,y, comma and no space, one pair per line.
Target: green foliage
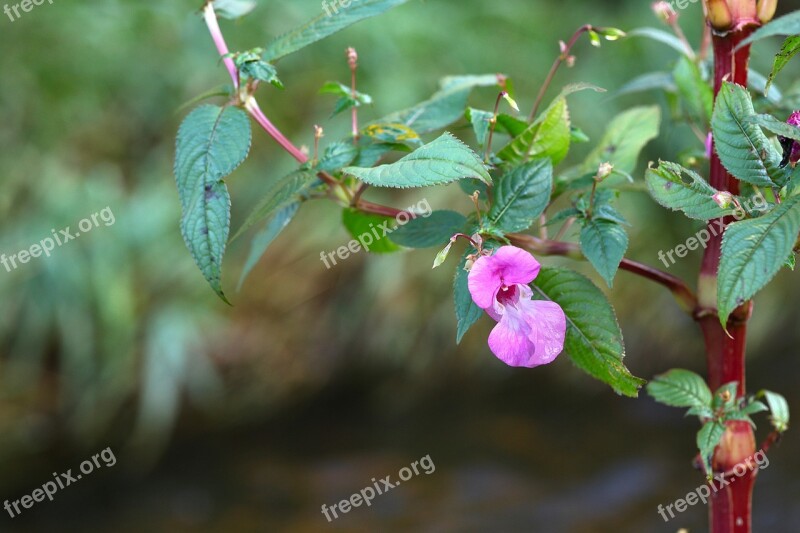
694,196
444,107
753,251
680,388
251,66
481,122
604,244
624,139
741,145
521,195
695,92
395,134
779,409
707,439
664,81
434,230
442,161
323,25
212,142
467,312
336,156
785,25
663,37
548,136
347,99
285,191
594,340
360,224
790,48
778,127
264,238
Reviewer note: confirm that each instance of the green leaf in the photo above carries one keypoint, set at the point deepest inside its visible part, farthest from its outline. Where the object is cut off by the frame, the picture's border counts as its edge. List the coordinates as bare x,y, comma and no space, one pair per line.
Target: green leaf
467,312
336,156
785,25
742,147
444,107
285,191
754,407
511,125
548,136
776,126
707,439
212,142
233,9
250,65
371,231
758,83
434,230
647,82
264,238
790,48
347,100
779,410
662,37
680,388
753,251
594,340
696,93
694,196
324,25
393,134
521,195
481,122
624,139
725,396
442,161
604,244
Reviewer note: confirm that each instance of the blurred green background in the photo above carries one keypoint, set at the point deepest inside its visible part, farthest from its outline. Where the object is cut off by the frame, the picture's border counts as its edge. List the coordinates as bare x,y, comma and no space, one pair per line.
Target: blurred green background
250,418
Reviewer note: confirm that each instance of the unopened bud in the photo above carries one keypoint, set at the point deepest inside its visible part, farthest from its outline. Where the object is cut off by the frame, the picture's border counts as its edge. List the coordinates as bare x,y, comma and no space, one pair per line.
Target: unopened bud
719,14
723,199
604,171
352,58
664,11
766,10
318,132
570,61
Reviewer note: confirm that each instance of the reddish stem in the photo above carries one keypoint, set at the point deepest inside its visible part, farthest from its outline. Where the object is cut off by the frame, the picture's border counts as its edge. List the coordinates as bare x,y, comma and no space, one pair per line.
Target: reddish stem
216,34
729,507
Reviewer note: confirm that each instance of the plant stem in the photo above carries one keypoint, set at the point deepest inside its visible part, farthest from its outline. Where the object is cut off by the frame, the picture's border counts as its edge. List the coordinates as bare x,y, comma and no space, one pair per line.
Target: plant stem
559,60
729,507
216,34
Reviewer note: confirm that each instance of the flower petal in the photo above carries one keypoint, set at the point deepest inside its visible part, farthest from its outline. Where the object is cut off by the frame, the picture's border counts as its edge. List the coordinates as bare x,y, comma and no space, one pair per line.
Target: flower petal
510,339
508,265
548,329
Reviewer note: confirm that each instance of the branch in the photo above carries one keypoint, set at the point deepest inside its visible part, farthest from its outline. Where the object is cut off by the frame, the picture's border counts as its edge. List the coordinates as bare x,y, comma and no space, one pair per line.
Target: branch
682,293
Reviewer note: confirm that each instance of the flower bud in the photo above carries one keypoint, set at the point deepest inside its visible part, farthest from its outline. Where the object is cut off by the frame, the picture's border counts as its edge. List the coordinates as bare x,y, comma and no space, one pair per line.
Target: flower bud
604,171
766,10
723,199
719,14
665,12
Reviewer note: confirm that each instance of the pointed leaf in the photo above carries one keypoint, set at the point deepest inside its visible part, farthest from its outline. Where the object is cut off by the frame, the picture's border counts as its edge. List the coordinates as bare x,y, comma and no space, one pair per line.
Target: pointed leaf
625,137
707,439
548,136
693,196
604,244
521,195
434,230
467,312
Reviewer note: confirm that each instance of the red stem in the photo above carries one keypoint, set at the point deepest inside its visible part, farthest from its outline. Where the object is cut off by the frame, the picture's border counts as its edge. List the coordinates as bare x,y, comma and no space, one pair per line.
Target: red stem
729,507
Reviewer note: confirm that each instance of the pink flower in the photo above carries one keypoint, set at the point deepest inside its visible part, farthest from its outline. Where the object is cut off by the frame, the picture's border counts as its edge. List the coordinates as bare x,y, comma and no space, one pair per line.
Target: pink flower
794,153
529,332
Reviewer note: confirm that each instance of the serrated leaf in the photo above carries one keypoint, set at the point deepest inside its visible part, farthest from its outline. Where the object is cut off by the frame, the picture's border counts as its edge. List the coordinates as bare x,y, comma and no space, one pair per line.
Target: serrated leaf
790,48
753,251
521,195
624,139
467,312
695,92
680,388
692,196
481,122
233,9
604,244
758,82
593,340
371,231
742,147
348,99
548,136
776,126
434,230
754,407
608,213
212,142
444,107
264,238
326,24
442,161
785,25
707,439
285,191
394,134
259,70
336,156
779,410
